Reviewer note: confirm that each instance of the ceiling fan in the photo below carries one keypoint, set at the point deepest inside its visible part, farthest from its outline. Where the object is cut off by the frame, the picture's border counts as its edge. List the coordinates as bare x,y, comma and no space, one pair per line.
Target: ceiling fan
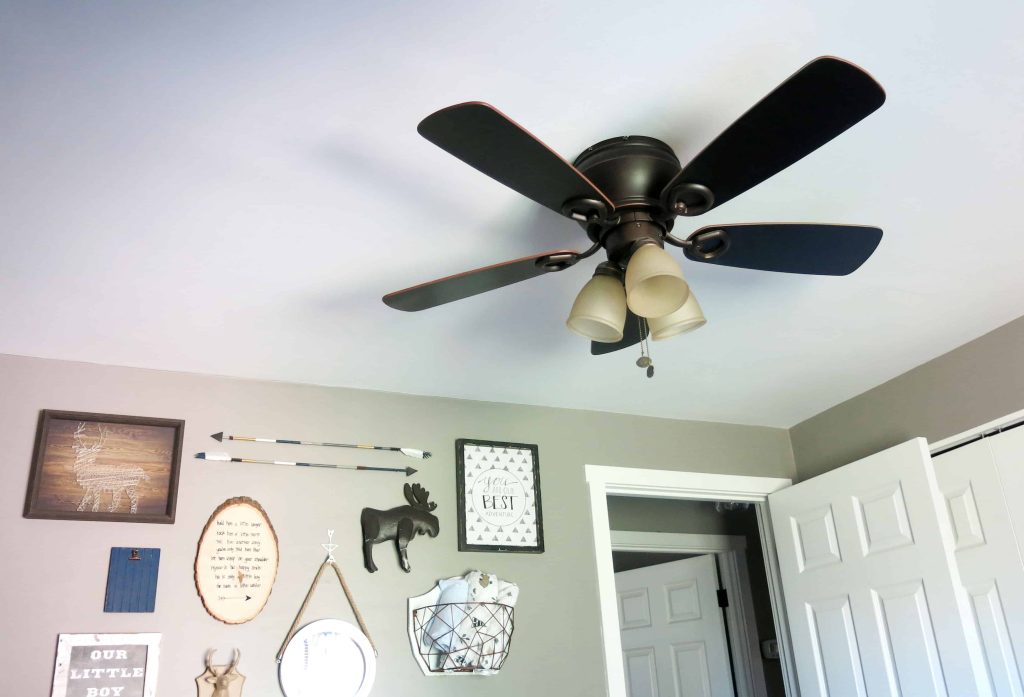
626,193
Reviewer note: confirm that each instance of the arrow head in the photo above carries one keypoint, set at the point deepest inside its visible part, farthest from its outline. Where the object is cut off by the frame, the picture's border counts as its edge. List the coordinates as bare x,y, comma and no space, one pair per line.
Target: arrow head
409,471
219,437
248,597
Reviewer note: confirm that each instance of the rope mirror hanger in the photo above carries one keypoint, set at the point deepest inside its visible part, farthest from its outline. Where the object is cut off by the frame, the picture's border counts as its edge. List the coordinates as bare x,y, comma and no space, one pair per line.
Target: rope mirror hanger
328,657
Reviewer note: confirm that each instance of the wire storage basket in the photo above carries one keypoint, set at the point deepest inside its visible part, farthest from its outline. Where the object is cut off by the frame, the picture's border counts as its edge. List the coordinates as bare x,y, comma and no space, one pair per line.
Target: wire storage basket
469,637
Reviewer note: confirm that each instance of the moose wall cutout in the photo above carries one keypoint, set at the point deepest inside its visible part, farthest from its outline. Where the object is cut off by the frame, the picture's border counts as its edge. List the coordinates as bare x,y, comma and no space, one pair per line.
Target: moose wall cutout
400,524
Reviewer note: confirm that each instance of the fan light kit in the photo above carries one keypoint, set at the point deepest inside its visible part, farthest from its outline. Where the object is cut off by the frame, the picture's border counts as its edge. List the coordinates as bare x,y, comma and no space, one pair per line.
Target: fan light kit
627,192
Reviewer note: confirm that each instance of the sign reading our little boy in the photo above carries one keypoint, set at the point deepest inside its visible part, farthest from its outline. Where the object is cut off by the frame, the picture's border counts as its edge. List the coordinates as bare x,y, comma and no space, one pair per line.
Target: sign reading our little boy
106,665
498,487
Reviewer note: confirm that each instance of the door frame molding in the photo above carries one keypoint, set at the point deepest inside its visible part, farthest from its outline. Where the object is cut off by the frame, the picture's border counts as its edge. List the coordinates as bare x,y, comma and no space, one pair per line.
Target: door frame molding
744,643
604,481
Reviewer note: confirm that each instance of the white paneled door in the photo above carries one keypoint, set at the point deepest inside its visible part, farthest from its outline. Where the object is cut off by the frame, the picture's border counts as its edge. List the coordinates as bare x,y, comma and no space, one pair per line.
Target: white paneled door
870,582
673,633
987,554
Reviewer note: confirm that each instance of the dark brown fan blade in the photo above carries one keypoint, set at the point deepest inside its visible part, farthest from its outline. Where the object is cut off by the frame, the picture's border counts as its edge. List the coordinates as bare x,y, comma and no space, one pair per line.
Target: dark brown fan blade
470,283
484,138
630,337
823,99
824,250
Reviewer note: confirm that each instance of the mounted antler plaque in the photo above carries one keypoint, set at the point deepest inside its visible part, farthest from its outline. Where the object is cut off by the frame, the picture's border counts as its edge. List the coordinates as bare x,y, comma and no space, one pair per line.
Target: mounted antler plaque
221,680
236,562
400,524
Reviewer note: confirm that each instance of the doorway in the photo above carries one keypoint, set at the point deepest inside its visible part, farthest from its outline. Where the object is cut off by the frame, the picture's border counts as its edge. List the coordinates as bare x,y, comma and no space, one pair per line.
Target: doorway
695,486
650,532
855,551
672,627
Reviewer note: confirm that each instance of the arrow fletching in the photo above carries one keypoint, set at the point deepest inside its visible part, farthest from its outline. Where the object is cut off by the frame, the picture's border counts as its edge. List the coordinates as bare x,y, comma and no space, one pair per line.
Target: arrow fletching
421,454
218,457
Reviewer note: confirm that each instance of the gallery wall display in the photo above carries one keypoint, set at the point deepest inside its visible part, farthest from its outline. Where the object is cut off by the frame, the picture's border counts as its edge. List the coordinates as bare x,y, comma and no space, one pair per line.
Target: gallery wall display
105,467
131,579
236,561
498,487
106,665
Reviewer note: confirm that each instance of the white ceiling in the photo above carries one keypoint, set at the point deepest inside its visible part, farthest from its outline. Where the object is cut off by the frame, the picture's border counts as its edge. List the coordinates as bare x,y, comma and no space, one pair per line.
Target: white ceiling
231,187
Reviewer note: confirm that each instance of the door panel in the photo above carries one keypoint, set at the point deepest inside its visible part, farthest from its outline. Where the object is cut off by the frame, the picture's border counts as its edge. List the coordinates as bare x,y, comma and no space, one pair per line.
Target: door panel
911,657
1002,664
690,670
866,561
673,632
641,672
987,552
836,655
1008,451
634,609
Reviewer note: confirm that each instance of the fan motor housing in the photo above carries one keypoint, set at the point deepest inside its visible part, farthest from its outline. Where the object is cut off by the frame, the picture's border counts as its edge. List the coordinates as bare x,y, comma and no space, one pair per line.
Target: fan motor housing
632,171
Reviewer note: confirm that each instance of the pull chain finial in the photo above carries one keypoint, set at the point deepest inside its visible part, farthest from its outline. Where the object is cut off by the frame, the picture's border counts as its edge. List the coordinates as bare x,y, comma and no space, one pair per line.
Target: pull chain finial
645,359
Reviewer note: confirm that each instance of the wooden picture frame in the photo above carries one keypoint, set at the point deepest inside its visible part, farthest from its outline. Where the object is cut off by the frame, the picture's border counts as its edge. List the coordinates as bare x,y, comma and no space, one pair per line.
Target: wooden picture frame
490,478
106,664
105,467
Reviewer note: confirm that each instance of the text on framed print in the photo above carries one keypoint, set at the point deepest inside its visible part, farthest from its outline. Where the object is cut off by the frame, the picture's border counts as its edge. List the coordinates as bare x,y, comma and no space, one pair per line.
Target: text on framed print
498,486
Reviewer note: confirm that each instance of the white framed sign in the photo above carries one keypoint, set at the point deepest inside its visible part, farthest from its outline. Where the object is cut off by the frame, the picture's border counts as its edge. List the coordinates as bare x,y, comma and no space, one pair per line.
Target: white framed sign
236,562
498,486
106,665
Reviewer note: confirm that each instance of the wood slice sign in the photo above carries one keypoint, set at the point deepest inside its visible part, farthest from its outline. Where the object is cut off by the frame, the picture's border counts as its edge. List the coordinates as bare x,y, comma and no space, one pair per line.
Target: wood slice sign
236,562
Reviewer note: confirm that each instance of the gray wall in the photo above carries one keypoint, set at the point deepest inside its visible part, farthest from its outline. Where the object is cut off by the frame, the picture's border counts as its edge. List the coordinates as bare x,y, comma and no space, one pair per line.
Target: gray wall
673,515
55,571
978,382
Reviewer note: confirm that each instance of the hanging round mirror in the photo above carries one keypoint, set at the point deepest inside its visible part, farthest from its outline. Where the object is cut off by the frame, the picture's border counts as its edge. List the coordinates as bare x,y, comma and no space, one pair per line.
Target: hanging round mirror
328,658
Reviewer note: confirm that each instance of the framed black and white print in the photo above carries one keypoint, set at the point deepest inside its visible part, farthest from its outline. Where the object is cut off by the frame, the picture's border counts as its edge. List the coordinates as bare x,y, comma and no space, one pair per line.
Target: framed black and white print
498,486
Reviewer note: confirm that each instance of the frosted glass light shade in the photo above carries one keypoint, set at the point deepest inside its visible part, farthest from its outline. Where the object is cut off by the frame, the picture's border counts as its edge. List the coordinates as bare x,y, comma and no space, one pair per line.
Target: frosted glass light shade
655,285
599,312
685,319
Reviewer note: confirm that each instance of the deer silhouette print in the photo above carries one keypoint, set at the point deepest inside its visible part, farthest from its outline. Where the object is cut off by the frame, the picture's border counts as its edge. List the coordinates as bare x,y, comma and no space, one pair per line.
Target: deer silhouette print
98,479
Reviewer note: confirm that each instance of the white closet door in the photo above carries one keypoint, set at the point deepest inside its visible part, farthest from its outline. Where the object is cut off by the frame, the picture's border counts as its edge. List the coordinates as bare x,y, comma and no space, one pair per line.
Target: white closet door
673,632
981,506
870,582
1008,451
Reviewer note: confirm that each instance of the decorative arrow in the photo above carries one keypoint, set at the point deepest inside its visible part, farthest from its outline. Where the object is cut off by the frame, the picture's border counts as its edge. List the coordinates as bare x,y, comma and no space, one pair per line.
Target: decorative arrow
224,457
410,452
236,597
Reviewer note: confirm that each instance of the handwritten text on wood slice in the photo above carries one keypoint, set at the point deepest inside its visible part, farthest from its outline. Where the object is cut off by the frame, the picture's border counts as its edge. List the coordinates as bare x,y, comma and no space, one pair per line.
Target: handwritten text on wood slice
236,562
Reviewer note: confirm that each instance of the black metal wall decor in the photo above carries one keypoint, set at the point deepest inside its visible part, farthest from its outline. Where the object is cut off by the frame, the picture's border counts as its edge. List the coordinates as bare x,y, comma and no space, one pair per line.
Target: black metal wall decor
400,524
498,487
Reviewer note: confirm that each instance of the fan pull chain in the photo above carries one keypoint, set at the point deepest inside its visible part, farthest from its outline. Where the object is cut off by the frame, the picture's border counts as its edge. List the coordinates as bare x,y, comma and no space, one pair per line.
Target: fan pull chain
645,359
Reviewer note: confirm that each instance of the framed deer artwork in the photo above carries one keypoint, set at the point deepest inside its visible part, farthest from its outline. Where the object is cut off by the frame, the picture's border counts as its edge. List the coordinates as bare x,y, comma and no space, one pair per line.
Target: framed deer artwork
105,467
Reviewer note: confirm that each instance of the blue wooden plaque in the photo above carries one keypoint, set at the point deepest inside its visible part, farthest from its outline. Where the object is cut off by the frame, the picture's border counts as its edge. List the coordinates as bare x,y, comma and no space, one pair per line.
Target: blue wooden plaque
131,579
